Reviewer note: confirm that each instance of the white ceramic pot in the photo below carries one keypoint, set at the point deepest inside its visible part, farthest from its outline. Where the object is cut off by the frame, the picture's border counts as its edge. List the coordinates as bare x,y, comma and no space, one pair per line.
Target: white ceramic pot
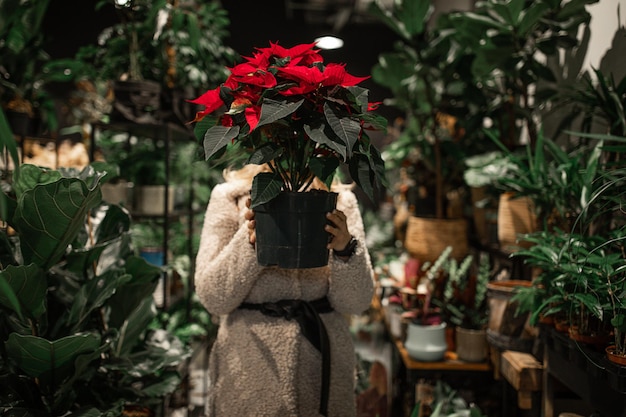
395,321
150,199
426,343
118,193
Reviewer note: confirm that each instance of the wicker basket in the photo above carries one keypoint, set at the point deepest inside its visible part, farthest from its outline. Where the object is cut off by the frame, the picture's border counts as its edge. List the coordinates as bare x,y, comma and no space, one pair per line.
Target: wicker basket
516,216
426,238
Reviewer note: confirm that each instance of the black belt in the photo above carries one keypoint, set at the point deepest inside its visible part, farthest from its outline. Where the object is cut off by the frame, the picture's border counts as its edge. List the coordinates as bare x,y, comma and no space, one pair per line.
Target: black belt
307,314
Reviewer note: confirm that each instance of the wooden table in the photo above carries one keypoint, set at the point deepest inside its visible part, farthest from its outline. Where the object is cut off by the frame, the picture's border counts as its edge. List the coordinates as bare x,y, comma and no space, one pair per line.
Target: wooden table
450,362
412,371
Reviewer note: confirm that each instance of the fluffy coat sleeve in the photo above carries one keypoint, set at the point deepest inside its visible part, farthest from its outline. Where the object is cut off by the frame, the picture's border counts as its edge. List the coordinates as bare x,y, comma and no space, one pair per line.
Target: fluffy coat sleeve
352,282
225,252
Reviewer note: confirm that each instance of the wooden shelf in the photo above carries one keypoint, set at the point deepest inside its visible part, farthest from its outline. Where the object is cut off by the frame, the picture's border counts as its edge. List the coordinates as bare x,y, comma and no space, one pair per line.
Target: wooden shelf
450,363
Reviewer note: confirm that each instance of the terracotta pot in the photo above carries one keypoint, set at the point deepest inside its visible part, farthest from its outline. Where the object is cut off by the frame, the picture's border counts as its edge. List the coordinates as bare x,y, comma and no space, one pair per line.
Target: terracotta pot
618,359
593,339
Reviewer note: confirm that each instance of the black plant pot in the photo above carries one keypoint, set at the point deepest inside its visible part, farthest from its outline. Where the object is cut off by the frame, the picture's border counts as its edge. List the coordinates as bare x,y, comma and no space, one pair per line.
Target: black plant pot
290,229
136,101
21,123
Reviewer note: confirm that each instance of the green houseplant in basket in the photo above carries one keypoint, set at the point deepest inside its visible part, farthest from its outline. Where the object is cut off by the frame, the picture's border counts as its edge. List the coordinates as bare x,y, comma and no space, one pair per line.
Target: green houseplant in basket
301,117
442,109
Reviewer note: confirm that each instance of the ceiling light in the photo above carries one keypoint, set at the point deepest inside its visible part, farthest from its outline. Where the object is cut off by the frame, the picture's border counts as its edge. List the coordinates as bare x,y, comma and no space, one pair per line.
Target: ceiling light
329,42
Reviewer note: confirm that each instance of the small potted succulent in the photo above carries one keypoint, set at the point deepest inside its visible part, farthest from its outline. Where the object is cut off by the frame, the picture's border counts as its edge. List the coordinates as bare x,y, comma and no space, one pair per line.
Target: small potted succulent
301,117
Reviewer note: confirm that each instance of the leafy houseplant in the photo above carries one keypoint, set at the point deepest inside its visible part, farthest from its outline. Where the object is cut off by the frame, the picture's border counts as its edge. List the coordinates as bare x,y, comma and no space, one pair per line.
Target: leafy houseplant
22,76
509,42
286,108
76,303
431,90
465,293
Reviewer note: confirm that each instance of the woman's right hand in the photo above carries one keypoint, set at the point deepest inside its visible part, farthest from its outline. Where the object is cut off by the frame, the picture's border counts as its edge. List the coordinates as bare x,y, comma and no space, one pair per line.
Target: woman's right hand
249,216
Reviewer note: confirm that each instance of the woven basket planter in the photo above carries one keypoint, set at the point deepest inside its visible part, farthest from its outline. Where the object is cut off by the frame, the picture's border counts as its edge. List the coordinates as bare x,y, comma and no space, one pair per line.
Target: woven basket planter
516,216
427,237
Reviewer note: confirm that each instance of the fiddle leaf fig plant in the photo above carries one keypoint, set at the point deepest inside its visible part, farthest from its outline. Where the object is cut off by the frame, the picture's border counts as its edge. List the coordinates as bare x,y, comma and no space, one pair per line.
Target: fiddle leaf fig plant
76,303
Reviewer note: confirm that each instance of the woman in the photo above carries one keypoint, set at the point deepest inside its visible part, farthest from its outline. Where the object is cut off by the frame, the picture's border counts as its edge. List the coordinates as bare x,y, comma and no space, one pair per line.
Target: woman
266,364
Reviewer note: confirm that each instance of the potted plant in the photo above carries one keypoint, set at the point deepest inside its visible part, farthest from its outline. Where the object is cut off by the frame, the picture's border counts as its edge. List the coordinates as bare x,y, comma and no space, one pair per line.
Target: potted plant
464,305
75,298
509,42
286,108
192,40
27,105
426,333
158,53
431,89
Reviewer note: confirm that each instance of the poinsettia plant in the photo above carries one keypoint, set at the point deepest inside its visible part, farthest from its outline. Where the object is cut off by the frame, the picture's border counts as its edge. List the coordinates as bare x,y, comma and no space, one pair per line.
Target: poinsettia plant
286,108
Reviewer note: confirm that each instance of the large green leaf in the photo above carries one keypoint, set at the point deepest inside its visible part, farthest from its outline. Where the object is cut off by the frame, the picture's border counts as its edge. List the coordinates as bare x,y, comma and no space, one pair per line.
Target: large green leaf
50,361
265,186
324,169
359,167
49,216
273,110
265,154
28,290
346,129
130,295
134,327
318,135
8,298
414,15
217,138
93,294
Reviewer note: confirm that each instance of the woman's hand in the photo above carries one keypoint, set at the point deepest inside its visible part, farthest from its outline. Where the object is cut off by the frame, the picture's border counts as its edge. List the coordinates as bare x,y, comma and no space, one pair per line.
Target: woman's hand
249,216
340,235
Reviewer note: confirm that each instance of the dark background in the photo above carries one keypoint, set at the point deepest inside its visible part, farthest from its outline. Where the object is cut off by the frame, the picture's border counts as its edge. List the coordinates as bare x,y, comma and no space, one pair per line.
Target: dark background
254,23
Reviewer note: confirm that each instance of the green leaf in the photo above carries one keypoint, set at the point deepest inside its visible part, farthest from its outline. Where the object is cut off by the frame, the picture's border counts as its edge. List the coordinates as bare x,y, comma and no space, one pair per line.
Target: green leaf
324,168
346,129
414,16
32,176
8,143
272,110
265,187
167,384
93,294
532,17
50,361
318,135
28,289
132,329
388,19
68,200
359,167
131,293
8,297
265,154
217,137
508,12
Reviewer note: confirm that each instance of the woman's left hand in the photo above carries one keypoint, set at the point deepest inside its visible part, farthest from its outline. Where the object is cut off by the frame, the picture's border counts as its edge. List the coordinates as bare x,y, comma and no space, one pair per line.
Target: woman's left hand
340,235
249,216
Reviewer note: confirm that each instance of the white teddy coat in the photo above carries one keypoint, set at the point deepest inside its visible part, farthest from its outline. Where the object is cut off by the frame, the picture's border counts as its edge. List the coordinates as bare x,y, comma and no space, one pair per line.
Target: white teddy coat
264,366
